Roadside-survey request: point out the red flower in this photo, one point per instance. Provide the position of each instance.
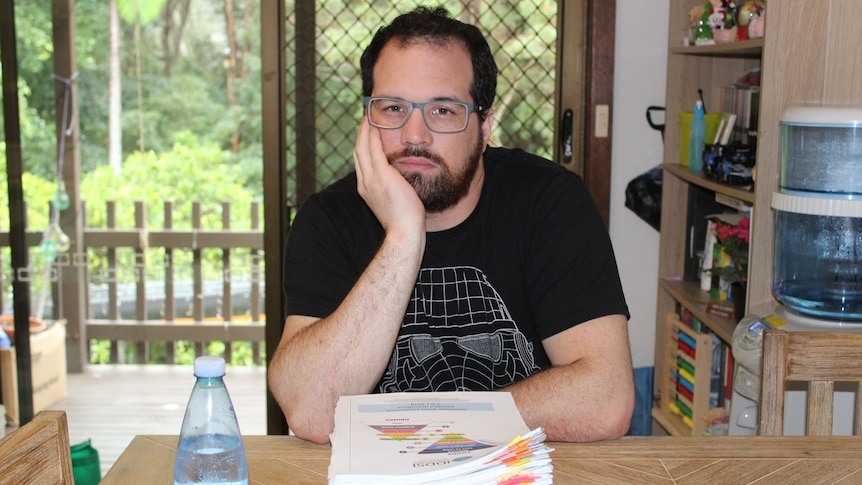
(740, 231)
(734, 240)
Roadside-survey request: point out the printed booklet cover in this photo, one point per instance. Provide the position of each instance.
(437, 437)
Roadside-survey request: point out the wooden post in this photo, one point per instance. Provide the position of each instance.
(72, 276)
(276, 205)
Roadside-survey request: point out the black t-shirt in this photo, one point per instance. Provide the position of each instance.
(533, 259)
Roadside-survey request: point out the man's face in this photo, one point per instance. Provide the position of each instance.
(441, 167)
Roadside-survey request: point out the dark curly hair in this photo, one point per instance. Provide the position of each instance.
(436, 26)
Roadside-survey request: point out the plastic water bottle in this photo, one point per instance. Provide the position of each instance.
(210, 449)
(698, 133)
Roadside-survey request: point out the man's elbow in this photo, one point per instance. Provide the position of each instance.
(610, 421)
(313, 435)
(305, 418)
(617, 420)
(618, 426)
(309, 426)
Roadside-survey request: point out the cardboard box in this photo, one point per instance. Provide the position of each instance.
(48, 370)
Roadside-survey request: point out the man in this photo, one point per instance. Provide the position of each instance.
(441, 265)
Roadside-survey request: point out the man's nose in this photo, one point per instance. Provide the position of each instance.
(415, 131)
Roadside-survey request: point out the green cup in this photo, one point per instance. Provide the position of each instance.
(85, 464)
(712, 122)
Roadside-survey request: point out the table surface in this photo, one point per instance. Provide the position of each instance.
(644, 460)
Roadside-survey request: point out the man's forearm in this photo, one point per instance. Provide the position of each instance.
(588, 400)
(571, 408)
(346, 352)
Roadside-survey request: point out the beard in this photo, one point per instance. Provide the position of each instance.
(447, 188)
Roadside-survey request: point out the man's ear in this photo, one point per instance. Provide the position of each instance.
(487, 124)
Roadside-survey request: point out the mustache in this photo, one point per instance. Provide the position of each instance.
(414, 151)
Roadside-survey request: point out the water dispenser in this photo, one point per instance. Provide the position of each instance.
(817, 265)
(817, 260)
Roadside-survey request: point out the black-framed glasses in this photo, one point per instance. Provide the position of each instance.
(439, 116)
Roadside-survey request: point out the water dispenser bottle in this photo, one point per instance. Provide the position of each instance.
(818, 214)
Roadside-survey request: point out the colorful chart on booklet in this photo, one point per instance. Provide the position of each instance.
(427, 438)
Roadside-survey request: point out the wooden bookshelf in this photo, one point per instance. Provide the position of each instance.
(808, 57)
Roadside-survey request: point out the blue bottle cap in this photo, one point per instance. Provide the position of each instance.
(209, 366)
(698, 110)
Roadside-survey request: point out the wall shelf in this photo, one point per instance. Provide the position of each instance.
(745, 48)
(691, 297)
(701, 180)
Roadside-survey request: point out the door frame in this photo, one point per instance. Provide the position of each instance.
(598, 99)
(585, 85)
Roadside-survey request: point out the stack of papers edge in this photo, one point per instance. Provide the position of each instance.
(469, 438)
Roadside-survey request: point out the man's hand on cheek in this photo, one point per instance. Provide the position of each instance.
(392, 199)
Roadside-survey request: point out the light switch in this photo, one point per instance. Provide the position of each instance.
(603, 115)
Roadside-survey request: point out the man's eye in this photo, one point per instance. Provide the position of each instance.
(443, 111)
(394, 108)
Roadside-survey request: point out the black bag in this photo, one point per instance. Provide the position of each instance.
(643, 196)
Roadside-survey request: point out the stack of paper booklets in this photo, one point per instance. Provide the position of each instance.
(469, 438)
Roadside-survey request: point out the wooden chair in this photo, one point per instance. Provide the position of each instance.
(38, 452)
(818, 358)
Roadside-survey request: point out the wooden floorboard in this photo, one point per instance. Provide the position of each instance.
(110, 404)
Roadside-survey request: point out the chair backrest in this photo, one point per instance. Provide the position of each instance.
(38, 452)
(819, 359)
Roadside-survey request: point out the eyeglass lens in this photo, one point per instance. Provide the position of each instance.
(443, 116)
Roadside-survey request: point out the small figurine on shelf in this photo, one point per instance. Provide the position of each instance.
(699, 32)
(721, 20)
(750, 17)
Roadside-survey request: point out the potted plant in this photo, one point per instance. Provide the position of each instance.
(733, 271)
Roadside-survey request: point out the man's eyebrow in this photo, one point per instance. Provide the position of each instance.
(447, 98)
(434, 99)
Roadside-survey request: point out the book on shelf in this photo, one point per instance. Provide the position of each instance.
(686, 317)
(721, 309)
(718, 382)
(743, 100)
(721, 389)
(436, 437)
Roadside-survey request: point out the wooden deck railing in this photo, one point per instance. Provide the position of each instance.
(135, 296)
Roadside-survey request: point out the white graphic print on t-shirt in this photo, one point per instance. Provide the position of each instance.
(457, 335)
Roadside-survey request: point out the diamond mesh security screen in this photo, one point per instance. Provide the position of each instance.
(325, 40)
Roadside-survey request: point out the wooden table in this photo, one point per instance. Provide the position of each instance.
(642, 460)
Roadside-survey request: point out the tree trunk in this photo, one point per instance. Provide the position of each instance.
(115, 145)
(175, 15)
(236, 61)
(140, 88)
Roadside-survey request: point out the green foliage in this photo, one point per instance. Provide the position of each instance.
(38, 148)
(193, 170)
(143, 11)
(242, 353)
(38, 192)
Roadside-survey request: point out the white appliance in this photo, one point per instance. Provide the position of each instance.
(746, 386)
